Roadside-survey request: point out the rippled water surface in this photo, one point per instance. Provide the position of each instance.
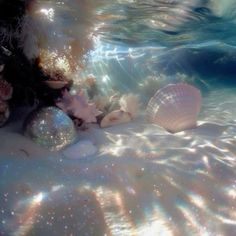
(138, 39)
(144, 180)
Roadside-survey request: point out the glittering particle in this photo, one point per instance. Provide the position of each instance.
(232, 193)
(81, 149)
(50, 127)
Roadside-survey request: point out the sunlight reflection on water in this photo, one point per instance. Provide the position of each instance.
(144, 180)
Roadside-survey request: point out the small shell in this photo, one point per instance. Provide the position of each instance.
(175, 107)
(56, 84)
(114, 118)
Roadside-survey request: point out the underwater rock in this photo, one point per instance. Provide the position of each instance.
(4, 112)
(50, 127)
(175, 107)
(79, 150)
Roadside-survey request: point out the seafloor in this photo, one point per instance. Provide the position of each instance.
(143, 180)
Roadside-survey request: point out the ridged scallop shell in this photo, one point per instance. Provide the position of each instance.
(175, 107)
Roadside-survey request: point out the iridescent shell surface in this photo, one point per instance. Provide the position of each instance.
(175, 107)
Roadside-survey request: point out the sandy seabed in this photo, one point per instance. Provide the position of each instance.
(143, 180)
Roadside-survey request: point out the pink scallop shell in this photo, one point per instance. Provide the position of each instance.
(175, 107)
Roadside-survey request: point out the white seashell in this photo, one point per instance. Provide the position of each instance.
(175, 107)
(114, 118)
(79, 150)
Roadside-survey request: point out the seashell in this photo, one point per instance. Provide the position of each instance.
(5, 90)
(175, 107)
(114, 118)
(56, 84)
(82, 149)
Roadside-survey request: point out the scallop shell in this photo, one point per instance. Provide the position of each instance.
(175, 107)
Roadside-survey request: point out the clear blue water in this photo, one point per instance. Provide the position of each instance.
(143, 181)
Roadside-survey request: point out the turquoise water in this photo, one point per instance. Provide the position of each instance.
(143, 180)
(136, 40)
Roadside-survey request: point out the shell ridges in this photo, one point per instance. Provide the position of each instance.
(175, 107)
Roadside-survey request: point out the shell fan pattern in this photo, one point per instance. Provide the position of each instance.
(175, 107)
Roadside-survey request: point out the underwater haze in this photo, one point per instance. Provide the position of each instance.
(143, 180)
